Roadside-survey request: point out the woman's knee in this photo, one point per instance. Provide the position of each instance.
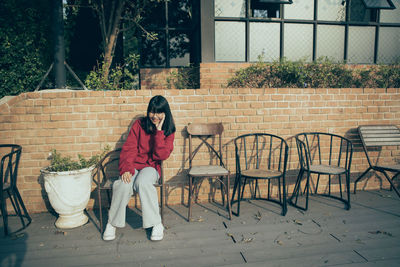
(120, 187)
(146, 177)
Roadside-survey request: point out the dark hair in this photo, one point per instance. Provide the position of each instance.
(158, 104)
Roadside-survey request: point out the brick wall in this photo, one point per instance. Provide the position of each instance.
(85, 121)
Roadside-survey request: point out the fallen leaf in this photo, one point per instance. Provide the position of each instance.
(297, 222)
(381, 232)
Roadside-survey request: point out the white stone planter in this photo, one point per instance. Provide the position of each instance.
(69, 194)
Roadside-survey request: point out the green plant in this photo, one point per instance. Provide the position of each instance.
(323, 73)
(61, 163)
(121, 77)
(25, 46)
(184, 78)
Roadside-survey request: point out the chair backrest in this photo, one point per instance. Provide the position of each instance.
(378, 136)
(107, 169)
(324, 148)
(206, 133)
(261, 151)
(9, 164)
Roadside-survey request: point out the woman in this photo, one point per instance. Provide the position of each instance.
(149, 142)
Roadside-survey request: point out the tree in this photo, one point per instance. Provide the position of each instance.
(113, 15)
(25, 44)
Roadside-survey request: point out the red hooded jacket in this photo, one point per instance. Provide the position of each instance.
(142, 150)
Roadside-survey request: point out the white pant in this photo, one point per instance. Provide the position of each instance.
(143, 183)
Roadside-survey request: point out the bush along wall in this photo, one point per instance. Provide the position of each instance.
(320, 74)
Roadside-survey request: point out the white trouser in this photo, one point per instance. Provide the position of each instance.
(143, 183)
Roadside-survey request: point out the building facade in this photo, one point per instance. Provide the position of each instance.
(243, 31)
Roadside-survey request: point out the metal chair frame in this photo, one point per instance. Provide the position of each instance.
(8, 184)
(253, 168)
(379, 136)
(203, 132)
(104, 179)
(332, 163)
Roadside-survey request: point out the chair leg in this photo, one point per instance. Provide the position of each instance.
(20, 203)
(190, 199)
(228, 197)
(348, 190)
(359, 178)
(100, 209)
(5, 215)
(297, 188)
(162, 200)
(307, 188)
(284, 202)
(237, 186)
(391, 183)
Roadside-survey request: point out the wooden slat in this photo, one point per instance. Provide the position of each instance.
(380, 135)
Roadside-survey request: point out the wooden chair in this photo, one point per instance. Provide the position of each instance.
(214, 167)
(323, 154)
(261, 156)
(107, 172)
(8, 185)
(374, 137)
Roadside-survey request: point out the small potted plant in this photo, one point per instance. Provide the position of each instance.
(68, 185)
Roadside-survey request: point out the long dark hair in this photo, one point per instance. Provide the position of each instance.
(158, 104)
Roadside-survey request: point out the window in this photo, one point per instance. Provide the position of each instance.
(353, 31)
(360, 13)
(175, 23)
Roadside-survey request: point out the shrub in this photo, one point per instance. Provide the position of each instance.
(121, 77)
(322, 73)
(184, 78)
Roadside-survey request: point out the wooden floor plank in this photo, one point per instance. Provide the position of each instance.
(325, 235)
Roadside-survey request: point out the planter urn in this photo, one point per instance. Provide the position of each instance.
(69, 193)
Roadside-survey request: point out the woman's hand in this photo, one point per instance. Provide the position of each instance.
(161, 122)
(126, 177)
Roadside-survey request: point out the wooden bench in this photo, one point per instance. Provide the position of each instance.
(379, 136)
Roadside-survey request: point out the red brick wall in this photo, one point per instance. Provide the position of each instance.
(85, 121)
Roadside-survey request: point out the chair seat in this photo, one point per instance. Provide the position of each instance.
(327, 169)
(208, 170)
(260, 173)
(395, 168)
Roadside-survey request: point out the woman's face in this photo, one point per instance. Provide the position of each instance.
(156, 117)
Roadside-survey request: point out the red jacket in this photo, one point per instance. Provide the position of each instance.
(142, 150)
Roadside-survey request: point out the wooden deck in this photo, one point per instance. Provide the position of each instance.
(366, 235)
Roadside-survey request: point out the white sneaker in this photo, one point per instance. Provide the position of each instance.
(157, 233)
(109, 233)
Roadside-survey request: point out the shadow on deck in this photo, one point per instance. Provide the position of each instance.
(326, 234)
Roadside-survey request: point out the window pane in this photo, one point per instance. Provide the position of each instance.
(179, 49)
(229, 41)
(300, 9)
(298, 41)
(377, 3)
(154, 15)
(361, 45)
(179, 13)
(332, 10)
(264, 10)
(389, 43)
(230, 8)
(358, 12)
(264, 41)
(153, 51)
(330, 42)
(392, 15)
